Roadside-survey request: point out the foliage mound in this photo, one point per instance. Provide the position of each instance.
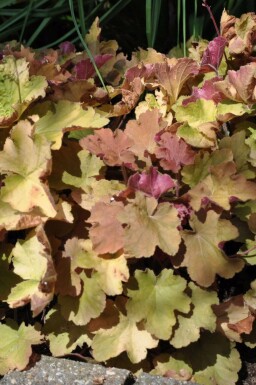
(128, 213)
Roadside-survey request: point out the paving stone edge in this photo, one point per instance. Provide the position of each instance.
(60, 371)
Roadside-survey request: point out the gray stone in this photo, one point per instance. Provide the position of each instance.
(54, 371)
(147, 379)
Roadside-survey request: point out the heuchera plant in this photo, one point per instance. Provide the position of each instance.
(128, 214)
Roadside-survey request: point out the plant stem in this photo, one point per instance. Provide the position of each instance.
(204, 4)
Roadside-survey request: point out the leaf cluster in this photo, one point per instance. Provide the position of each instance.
(127, 214)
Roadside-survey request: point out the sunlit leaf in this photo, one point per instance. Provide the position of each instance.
(16, 349)
(17, 89)
(202, 249)
(67, 116)
(24, 174)
(149, 225)
(156, 301)
(126, 336)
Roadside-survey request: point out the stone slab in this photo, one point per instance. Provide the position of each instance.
(147, 379)
(60, 371)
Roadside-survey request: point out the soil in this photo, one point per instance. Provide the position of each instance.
(247, 375)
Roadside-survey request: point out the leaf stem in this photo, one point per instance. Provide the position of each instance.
(204, 4)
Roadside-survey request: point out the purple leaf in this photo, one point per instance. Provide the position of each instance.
(173, 152)
(67, 47)
(213, 53)
(85, 70)
(152, 184)
(208, 91)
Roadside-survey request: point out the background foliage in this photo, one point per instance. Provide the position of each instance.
(161, 24)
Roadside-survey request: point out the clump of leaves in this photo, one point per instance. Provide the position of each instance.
(126, 211)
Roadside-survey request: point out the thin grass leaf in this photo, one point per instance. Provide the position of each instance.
(184, 26)
(29, 8)
(148, 22)
(38, 30)
(40, 12)
(68, 36)
(81, 16)
(157, 5)
(230, 4)
(195, 18)
(42, 25)
(6, 3)
(178, 21)
(18, 16)
(71, 5)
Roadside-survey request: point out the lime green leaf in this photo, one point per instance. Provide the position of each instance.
(201, 317)
(221, 186)
(15, 348)
(199, 125)
(33, 263)
(156, 301)
(93, 189)
(63, 336)
(202, 249)
(155, 101)
(92, 38)
(213, 358)
(193, 173)
(236, 143)
(90, 166)
(203, 137)
(23, 186)
(67, 116)
(90, 304)
(17, 90)
(7, 278)
(251, 142)
(109, 271)
(126, 336)
(172, 368)
(227, 110)
(11, 219)
(226, 367)
(150, 224)
(97, 190)
(196, 113)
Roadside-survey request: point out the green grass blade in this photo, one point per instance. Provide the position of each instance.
(178, 21)
(195, 18)
(85, 45)
(148, 22)
(157, 5)
(7, 3)
(68, 36)
(42, 25)
(81, 17)
(184, 27)
(38, 30)
(29, 8)
(16, 17)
